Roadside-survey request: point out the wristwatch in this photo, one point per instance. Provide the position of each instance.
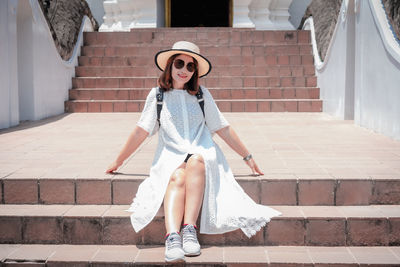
(248, 157)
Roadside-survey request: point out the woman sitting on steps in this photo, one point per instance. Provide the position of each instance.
(189, 171)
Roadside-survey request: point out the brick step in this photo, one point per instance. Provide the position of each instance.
(190, 29)
(105, 224)
(146, 67)
(222, 82)
(205, 36)
(233, 105)
(217, 93)
(116, 189)
(218, 256)
(250, 72)
(217, 61)
(146, 50)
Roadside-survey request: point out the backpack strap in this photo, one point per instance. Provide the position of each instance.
(160, 97)
(200, 99)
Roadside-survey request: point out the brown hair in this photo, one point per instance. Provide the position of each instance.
(165, 80)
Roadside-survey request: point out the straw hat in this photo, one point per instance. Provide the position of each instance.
(187, 48)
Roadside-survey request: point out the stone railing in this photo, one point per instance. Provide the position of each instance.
(393, 12)
(64, 18)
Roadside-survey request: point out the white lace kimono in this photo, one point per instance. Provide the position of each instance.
(226, 207)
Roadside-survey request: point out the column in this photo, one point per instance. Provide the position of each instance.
(260, 14)
(280, 14)
(146, 14)
(109, 6)
(264, 14)
(241, 12)
(123, 15)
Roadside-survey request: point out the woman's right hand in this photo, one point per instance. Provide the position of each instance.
(113, 167)
(135, 139)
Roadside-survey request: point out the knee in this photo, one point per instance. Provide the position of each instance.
(196, 161)
(178, 178)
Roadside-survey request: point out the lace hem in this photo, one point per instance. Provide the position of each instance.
(250, 231)
(249, 225)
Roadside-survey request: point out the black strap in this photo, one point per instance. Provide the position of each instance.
(200, 99)
(160, 97)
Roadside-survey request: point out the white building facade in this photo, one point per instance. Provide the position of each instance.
(123, 15)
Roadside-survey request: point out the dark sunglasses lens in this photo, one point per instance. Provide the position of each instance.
(190, 67)
(179, 64)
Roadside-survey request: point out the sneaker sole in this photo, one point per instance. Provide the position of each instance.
(193, 254)
(174, 260)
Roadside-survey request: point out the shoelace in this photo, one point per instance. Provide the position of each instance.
(189, 232)
(173, 241)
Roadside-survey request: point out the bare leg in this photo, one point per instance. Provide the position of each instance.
(195, 182)
(174, 200)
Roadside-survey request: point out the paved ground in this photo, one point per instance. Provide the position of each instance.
(107, 255)
(285, 145)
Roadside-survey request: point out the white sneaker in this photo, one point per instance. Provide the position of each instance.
(173, 248)
(191, 245)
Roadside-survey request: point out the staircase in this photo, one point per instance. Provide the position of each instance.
(253, 71)
(329, 221)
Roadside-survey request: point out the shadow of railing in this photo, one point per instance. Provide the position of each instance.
(24, 125)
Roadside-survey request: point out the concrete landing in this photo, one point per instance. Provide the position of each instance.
(285, 146)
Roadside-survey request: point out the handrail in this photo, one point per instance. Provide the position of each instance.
(86, 25)
(391, 42)
(309, 25)
(389, 38)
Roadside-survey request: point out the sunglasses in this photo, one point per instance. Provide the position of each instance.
(179, 64)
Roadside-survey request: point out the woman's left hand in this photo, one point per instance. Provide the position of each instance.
(254, 168)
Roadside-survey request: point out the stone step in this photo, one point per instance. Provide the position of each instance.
(232, 105)
(209, 50)
(199, 36)
(217, 93)
(191, 29)
(105, 224)
(243, 58)
(218, 256)
(117, 189)
(249, 72)
(227, 82)
(145, 67)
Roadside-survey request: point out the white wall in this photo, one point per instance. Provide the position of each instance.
(8, 64)
(297, 10)
(44, 79)
(333, 73)
(25, 29)
(97, 9)
(360, 77)
(34, 80)
(160, 13)
(377, 75)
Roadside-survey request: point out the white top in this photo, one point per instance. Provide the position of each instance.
(226, 207)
